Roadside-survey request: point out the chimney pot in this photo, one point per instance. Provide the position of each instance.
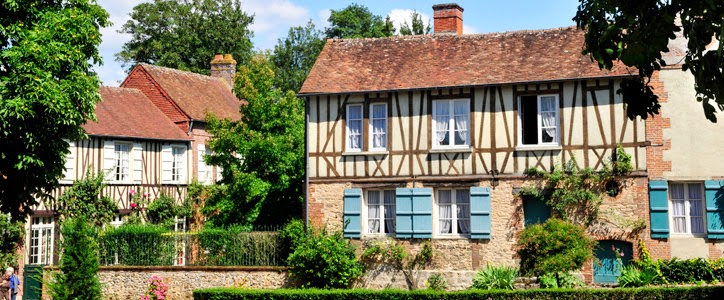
(224, 67)
(448, 18)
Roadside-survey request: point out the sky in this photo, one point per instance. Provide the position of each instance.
(273, 18)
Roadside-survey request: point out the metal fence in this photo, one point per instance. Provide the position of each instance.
(203, 248)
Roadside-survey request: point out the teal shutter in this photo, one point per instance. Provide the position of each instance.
(480, 212)
(352, 209)
(714, 208)
(414, 213)
(659, 208)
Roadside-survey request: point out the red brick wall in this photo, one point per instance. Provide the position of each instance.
(655, 163)
(139, 79)
(448, 20)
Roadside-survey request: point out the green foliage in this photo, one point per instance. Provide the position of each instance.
(395, 255)
(436, 282)
(47, 91)
(324, 260)
(223, 247)
(638, 32)
(576, 194)
(163, 210)
(295, 55)
(560, 280)
(291, 235)
(416, 28)
(631, 276)
(356, 21)
(186, 34)
(686, 271)
(266, 185)
(688, 293)
(555, 246)
(77, 277)
(11, 237)
(83, 200)
(137, 245)
(495, 278)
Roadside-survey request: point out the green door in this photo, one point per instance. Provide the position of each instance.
(535, 211)
(33, 282)
(609, 262)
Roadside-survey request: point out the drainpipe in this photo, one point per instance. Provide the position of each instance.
(306, 164)
(191, 127)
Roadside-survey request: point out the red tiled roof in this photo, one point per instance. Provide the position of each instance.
(431, 61)
(196, 94)
(126, 112)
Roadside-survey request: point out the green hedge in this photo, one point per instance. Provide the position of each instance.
(697, 292)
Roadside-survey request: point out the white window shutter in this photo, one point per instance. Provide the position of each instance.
(69, 173)
(203, 170)
(166, 163)
(219, 173)
(109, 160)
(137, 163)
(185, 170)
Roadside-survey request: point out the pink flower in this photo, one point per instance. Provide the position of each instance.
(134, 205)
(132, 192)
(145, 195)
(621, 254)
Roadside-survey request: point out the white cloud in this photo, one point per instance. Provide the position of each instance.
(111, 73)
(272, 20)
(323, 20)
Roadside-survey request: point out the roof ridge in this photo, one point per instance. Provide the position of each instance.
(469, 35)
(179, 71)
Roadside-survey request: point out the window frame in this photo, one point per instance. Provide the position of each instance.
(177, 173)
(44, 253)
(371, 126)
(365, 213)
(539, 122)
(347, 134)
(687, 210)
(451, 130)
(127, 177)
(454, 218)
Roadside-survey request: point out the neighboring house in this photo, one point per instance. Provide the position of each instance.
(186, 98)
(135, 146)
(427, 137)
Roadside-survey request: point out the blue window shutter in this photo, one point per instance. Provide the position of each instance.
(480, 212)
(659, 208)
(414, 213)
(352, 208)
(714, 208)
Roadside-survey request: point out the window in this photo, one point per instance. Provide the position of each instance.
(539, 120)
(354, 127)
(378, 126)
(117, 221)
(453, 207)
(121, 171)
(41, 240)
(381, 211)
(450, 123)
(177, 165)
(205, 171)
(687, 209)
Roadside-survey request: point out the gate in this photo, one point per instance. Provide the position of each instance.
(33, 282)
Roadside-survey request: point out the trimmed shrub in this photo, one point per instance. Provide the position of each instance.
(324, 260)
(683, 293)
(495, 277)
(137, 245)
(556, 246)
(290, 236)
(234, 248)
(77, 277)
(686, 271)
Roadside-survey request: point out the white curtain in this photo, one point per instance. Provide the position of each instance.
(696, 210)
(373, 212)
(461, 122)
(676, 194)
(445, 209)
(442, 119)
(463, 207)
(379, 126)
(354, 125)
(548, 116)
(389, 211)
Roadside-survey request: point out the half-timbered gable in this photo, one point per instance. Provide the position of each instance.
(430, 136)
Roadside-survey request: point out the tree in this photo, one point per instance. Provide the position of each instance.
(186, 34)
(417, 28)
(356, 21)
(637, 32)
(77, 277)
(262, 155)
(47, 91)
(295, 55)
(83, 200)
(11, 238)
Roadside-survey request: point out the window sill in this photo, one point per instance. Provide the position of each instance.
(451, 237)
(539, 148)
(365, 153)
(451, 150)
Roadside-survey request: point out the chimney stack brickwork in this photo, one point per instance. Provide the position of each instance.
(448, 18)
(224, 67)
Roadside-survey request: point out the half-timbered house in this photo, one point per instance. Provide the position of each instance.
(135, 146)
(428, 137)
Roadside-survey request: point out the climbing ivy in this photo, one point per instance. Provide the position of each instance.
(575, 193)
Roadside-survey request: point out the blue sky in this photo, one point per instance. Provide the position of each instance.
(273, 18)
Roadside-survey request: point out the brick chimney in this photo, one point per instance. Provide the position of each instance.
(224, 67)
(448, 18)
